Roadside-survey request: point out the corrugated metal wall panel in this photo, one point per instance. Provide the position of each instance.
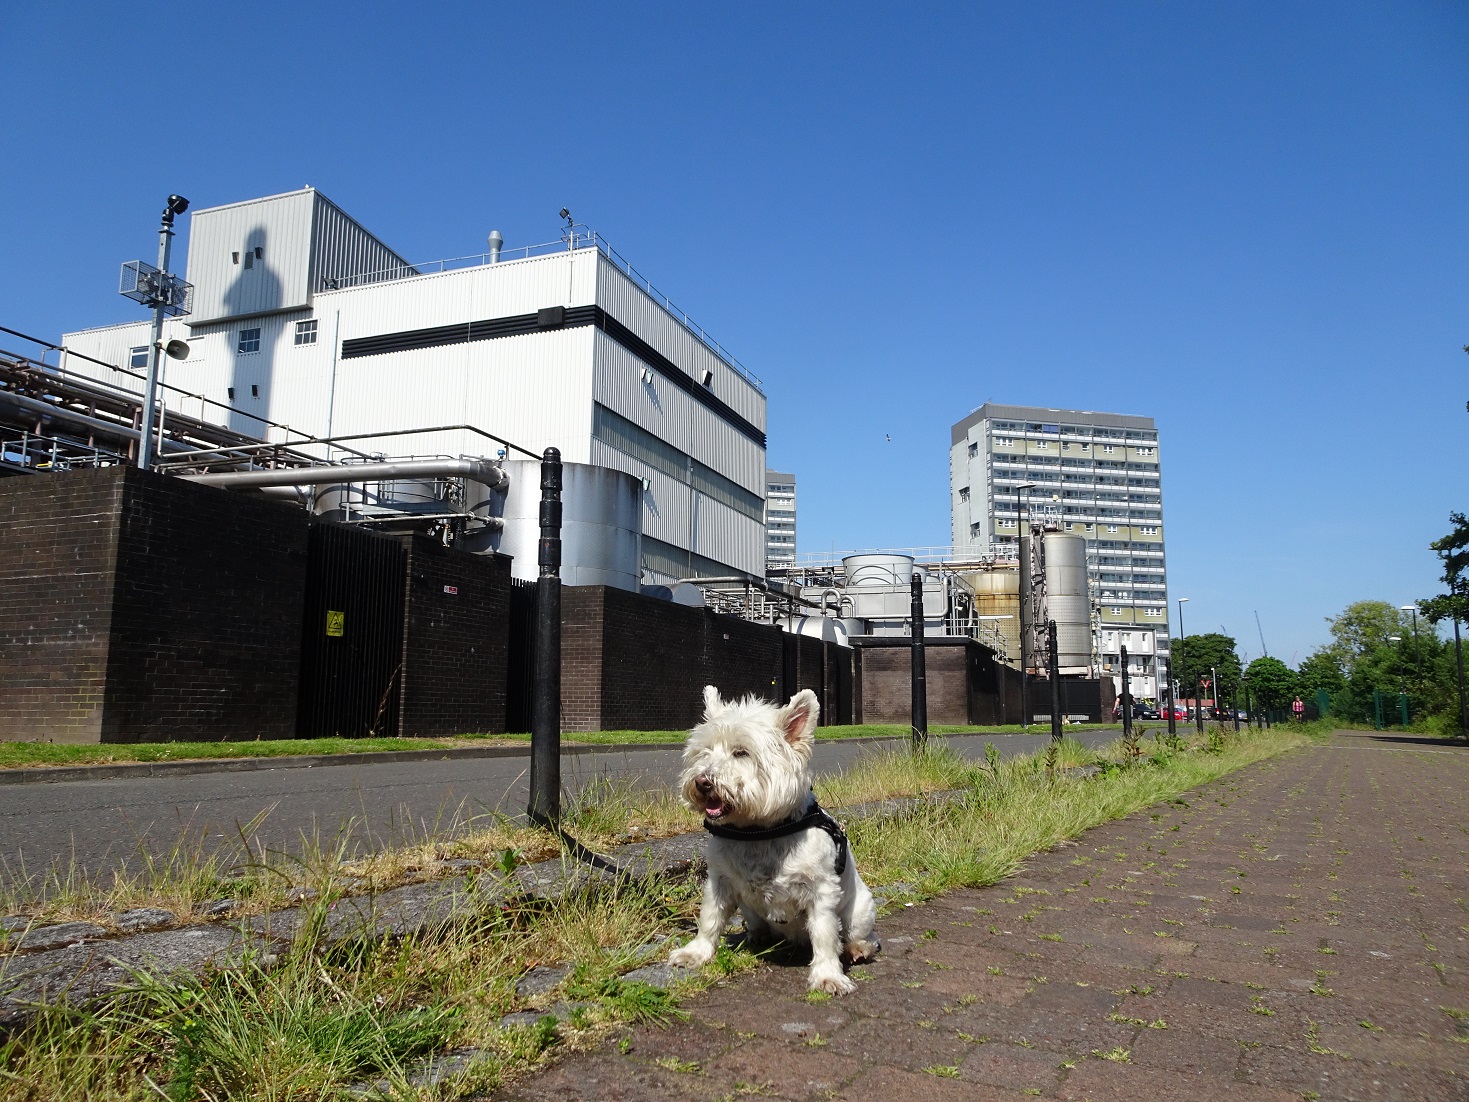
(667, 503)
(665, 410)
(727, 536)
(533, 389)
(226, 282)
(342, 248)
(629, 304)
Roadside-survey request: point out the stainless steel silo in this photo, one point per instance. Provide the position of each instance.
(1068, 601)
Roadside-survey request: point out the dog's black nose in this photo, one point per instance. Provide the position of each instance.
(704, 782)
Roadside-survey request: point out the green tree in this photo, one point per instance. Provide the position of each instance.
(1321, 670)
(1364, 628)
(1272, 683)
(1453, 605)
(1453, 550)
(1194, 656)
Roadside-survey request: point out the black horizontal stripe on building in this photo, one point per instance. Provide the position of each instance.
(554, 317)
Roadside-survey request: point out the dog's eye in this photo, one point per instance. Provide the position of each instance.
(740, 754)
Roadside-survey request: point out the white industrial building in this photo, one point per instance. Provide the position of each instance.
(307, 327)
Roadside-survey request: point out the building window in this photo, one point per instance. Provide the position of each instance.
(306, 332)
(249, 341)
(1109, 448)
(963, 493)
(973, 450)
(138, 357)
(1111, 527)
(1154, 612)
(1115, 611)
(1147, 530)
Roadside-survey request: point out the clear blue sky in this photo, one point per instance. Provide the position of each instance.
(1245, 220)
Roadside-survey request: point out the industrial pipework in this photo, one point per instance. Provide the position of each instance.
(483, 471)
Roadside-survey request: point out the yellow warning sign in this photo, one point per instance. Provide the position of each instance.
(336, 623)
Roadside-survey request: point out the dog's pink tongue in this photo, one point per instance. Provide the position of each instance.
(714, 811)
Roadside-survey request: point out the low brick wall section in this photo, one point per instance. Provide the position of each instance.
(58, 557)
(631, 662)
(136, 607)
(456, 639)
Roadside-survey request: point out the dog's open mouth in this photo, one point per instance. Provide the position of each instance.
(713, 807)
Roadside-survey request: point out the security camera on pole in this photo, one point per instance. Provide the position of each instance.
(166, 294)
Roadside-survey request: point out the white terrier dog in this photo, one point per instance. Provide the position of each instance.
(775, 854)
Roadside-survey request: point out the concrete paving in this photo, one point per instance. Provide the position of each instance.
(1294, 931)
(106, 823)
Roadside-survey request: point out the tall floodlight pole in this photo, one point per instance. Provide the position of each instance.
(167, 295)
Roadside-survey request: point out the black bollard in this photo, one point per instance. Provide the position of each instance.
(545, 725)
(920, 668)
(1126, 706)
(1054, 662)
(1172, 702)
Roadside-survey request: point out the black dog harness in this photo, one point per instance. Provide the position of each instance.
(816, 817)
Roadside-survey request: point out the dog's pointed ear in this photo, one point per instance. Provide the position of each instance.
(712, 704)
(798, 720)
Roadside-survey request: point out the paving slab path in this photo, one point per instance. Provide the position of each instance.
(1296, 930)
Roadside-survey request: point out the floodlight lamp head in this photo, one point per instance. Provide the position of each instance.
(177, 204)
(566, 214)
(176, 350)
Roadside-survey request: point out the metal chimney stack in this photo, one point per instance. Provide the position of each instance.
(496, 241)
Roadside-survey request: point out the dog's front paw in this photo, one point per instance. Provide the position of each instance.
(833, 983)
(691, 955)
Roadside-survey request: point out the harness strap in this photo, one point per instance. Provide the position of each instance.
(817, 817)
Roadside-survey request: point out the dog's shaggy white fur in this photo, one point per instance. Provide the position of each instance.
(748, 766)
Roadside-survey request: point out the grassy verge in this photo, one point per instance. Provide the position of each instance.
(22, 755)
(327, 1015)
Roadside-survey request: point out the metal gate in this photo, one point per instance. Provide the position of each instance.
(352, 635)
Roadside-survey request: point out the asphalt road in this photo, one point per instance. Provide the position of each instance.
(95, 825)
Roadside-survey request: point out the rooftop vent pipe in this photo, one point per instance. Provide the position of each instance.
(496, 241)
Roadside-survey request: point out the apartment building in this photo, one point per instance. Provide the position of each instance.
(780, 520)
(1097, 475)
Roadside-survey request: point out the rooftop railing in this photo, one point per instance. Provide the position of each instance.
(578, 237)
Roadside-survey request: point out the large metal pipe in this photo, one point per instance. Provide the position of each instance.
(479, 470)
(60, 413)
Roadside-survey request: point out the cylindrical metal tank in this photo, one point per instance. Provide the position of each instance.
(601, 524)
(997, 594)
(1067, 600)
(863, 570)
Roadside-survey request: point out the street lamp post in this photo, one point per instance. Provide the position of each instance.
(1417, 649)
(1022, 502)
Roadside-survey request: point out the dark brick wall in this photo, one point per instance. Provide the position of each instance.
(58, 549)
(824, 668)
(887, 685)
(455, 644)
(631, 662)
(206, 614)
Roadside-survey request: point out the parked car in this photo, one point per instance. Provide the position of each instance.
(1142, 711)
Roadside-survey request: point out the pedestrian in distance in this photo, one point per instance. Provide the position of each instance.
(1299, 709)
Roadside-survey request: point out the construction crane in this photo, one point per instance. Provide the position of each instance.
(1261, 630)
